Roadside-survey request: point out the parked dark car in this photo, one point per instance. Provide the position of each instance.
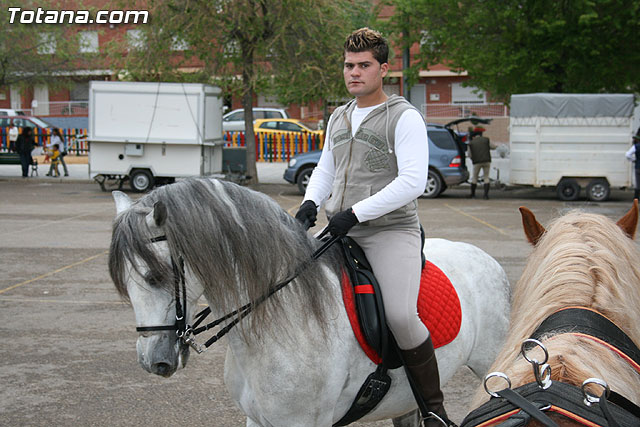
(446, 162)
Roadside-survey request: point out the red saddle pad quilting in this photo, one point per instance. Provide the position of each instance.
(438, 307)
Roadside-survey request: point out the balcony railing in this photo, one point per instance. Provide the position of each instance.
(454, 111)
(62, 108)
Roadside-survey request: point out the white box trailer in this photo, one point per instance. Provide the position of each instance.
(571, 141)
(152, 133)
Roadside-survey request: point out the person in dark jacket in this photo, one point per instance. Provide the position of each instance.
(24, 144)
(480, 150)
(632, 155)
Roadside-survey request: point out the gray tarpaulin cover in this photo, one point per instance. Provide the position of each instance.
(572, 105)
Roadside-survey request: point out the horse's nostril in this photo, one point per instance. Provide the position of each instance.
(162, 369)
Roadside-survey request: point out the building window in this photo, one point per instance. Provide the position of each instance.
(467, 95)
(391, 89)
(79, 92)
(264, 101)
(46, 44)
(136, 39)
(88, 42)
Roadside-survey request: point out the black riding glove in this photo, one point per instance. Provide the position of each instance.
(307, 214)
(341, 223)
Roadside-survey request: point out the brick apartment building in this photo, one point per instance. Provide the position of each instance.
(439, 93)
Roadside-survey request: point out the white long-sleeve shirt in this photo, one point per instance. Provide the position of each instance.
(412, 153)
(631, 153)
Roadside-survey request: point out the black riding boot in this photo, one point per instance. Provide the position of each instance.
(473, 191)
(486, 191)
(422, 367)
(636, 193)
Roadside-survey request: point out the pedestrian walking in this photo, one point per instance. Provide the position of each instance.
(24, 144)
(13, 137)
(632, 155)
(480, 152)
(58, 138)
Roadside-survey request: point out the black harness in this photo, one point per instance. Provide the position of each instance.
(516, 407)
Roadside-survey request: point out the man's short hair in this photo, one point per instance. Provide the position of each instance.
(366, 39)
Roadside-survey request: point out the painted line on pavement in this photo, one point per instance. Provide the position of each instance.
(493, 227)
(49, 223)
(59, 301)
(53, 272)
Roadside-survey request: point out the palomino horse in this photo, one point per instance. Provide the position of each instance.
(294, 361)
(584, 269)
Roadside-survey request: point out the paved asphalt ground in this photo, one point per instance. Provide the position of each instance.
(68, 343)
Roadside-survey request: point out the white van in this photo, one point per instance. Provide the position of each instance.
(233, 121)
(11, 112)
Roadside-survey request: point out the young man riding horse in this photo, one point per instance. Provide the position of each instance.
(373, 168)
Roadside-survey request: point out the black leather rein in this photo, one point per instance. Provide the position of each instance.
(186, 332)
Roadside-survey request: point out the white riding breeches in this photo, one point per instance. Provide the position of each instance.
(394, 253)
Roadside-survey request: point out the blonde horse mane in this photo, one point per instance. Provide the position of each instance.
(583, 260)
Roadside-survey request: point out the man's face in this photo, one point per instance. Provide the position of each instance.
(363, 73)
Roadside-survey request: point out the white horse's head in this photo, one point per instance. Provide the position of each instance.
(152, 290)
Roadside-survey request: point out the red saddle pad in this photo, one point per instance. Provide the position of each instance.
(438, 307)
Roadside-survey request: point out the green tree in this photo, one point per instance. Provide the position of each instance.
(37, 53)
(521, 46)
(282, 48)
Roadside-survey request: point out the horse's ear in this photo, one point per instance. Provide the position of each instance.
(123, 202)
(629, 222)
(159, 213)
(532, 228)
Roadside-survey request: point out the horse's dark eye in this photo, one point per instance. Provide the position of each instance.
(153, 279)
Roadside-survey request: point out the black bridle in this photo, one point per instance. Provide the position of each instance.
(186, 333)
(181, 308)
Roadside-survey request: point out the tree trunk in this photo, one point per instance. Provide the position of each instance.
(325, 115)
(248, 76)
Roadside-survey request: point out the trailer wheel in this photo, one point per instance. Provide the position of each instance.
(598, 190)
(141, 180)
(568, 189)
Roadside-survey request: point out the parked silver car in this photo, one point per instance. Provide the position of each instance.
(233, 121)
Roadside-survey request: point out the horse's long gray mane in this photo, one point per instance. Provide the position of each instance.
(237, 242)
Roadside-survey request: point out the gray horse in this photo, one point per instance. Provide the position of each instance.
(294, 361)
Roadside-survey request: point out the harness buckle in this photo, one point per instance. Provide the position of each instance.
(541, 370)
(590, 399)
(492, 375)
(543, 375)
